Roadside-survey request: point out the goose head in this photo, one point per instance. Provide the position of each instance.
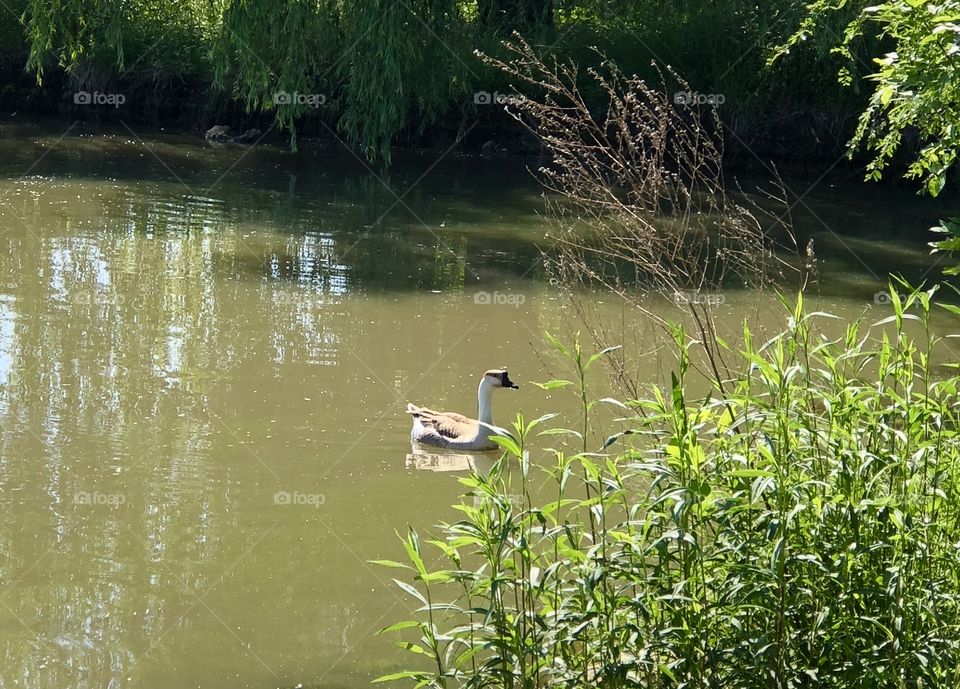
(498, 378)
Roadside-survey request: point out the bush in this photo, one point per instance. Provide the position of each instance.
(800, 531)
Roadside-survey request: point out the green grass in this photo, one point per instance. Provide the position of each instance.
(802, 530)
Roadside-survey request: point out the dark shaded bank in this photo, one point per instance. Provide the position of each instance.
(797, 140)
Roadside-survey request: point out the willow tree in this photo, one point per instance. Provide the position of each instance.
(94, 39)
(264, 48)
(402, 62)
(376, 66)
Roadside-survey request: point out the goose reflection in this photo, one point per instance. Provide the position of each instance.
(442, 462)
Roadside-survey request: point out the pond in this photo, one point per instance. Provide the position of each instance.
(205, 355)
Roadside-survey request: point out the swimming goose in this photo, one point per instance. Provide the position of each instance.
(448, 429)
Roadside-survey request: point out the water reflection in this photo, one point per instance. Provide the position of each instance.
(442, 462)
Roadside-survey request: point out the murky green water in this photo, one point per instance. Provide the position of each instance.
(204, 358)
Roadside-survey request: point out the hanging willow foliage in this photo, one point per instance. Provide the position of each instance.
(376, 68)
(265, 51)
(379, 70)
(72, 30)
(403, 62)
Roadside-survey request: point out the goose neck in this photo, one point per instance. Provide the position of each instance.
(485, 402)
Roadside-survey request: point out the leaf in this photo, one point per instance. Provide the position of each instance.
(891, 319)
(442, 576)
(411, 590)
(413, 648)
(562, 431)
(407, 624)
(412, 545)
(554, 384)
(406, 674)
(614, 438)
(885, 94)
(952, 308)
(390, 563)
(557, 345)
(600, 354)
(541, 419)
(507, 443)
(751, 473)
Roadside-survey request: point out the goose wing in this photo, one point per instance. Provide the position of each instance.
(447, 423)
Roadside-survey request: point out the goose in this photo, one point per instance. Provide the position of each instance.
(449, 429)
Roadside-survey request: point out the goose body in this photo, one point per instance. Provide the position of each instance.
(456, 431)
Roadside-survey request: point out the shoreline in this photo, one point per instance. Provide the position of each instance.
(737, 163)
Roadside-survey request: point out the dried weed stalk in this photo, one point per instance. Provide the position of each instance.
(638, 201)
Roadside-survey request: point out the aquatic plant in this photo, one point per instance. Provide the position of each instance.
(801, 529)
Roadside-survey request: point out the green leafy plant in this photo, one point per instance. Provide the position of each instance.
(950, 245)
(916, 83)
(800, 530)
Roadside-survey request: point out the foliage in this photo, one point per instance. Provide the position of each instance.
(405, 63)
(270, 51)
(388, 70)
(154, 34)
(800, 530)
(917, 82)
(950, 245)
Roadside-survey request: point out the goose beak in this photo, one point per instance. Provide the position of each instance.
(505, 382)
